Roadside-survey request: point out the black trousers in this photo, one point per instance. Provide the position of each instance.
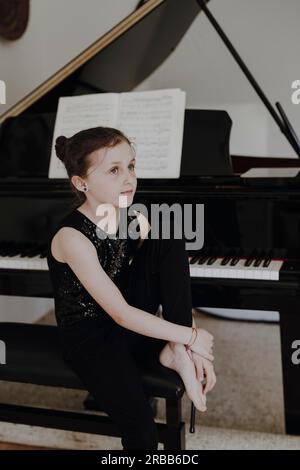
(109, 358)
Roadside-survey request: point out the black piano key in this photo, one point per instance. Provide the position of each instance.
(203, 259)
(267, 262)
(13, 249)
(258, 262)
(195, 258)
(22, 249)
(250, 258)
(236, 258)
(26, 253)
(33, 252)
(43, 253)
(268, 259)
(259, 259)
(211, 260)
(228, 258)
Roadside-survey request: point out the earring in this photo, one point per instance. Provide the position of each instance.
(85, 188)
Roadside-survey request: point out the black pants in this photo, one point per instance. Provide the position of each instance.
(108, 358)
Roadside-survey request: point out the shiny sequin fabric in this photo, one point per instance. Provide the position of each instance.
(72, 300)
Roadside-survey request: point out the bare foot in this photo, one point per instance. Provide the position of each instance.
(174, 356)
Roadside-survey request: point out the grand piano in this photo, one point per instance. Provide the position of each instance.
(251, 253)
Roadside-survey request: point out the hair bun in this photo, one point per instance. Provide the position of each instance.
(60, 147)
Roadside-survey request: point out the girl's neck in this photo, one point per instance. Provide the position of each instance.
(90, 212)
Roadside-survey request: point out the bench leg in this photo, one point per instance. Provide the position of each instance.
(175, 428)
(172, 433)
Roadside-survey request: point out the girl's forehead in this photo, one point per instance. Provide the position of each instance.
(119, 151)
(107, 155)
(98, 156)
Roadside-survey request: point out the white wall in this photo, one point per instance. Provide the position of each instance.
(58, 30)
(266, 33)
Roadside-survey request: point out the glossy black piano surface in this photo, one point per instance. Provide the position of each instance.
(240, 223)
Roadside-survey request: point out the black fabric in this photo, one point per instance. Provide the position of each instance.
(120, 367)
(73, 302)
(111, 360)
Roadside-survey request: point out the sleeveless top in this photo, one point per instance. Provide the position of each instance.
(72, 301)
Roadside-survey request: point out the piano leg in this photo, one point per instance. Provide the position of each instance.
(289, 332)
(288, 305)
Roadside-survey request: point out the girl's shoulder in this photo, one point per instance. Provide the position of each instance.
(62, 239)
(69, 224)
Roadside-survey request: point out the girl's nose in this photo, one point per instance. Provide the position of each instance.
(128, 178)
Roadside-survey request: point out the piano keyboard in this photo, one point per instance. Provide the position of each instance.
(213, 268)
(17, 255)
(256, 268)
(19, 262)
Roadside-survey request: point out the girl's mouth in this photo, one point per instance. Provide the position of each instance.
(127, 192)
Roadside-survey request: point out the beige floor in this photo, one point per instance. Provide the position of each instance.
(245, 410)
(10, 446)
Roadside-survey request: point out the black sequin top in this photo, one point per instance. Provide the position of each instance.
(72, 301)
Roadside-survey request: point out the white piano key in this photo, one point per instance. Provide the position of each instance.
(216, 270)
(18, 262)
(239, 271)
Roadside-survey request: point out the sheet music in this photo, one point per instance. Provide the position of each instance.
(75, 113)
(154, 121)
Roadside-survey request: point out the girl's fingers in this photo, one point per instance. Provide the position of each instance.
(208, 356)
(208, 384)
(189, 353)
(203, 352)
(199, 370)
(210, 378)
(198, 362)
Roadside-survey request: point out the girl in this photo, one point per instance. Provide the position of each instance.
(107, 290)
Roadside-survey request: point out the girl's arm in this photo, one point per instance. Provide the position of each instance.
(81, 255)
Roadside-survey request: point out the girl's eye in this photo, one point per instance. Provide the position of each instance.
(132, 165)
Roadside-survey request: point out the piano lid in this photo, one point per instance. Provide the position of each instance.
(119, 60)
(116, 62)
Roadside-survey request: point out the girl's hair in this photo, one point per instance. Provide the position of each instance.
(75, 151)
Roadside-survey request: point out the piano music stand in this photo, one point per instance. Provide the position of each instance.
(205, 146)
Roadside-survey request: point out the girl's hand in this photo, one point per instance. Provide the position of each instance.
(205, 371)
(203, 344)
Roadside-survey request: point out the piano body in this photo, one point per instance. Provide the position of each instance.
(251, 253)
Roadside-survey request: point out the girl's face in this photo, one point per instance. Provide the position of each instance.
(111, 173)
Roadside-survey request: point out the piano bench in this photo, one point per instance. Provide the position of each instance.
(33, 355)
